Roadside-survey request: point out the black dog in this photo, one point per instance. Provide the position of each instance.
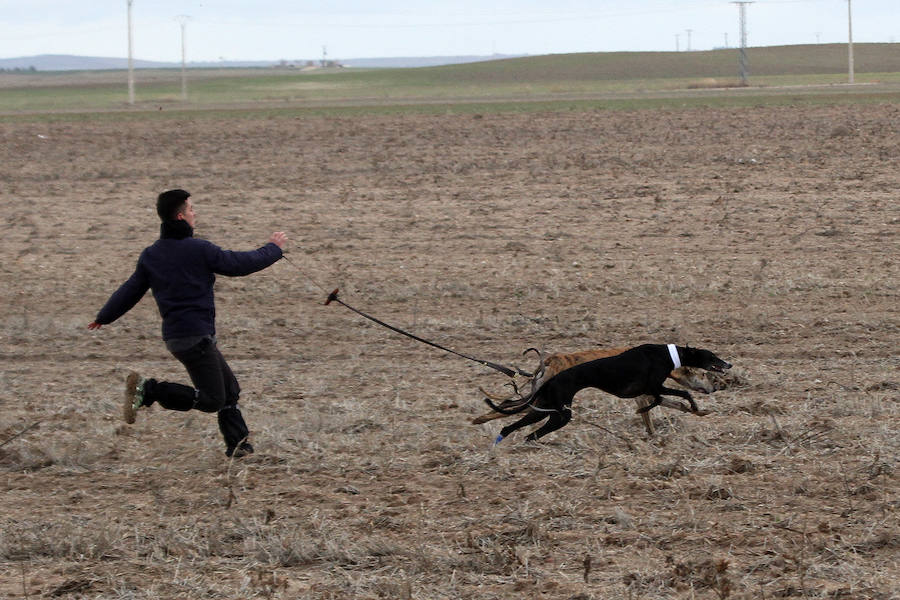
(635, 372)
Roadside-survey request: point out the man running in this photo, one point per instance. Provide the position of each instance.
(180, 270)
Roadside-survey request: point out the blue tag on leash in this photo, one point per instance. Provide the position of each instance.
(499, 439)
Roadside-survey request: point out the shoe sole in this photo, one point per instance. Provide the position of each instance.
(128, 409)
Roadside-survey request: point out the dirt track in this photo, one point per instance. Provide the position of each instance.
(769, 235)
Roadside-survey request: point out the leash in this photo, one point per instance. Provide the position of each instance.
(333, 297)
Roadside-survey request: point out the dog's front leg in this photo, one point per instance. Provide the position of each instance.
(681, 394)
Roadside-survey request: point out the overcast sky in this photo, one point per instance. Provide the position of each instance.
(298, 29)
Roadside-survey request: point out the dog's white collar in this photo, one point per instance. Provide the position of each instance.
(673, 353)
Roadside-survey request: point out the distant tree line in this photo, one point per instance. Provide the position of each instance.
(30, 69)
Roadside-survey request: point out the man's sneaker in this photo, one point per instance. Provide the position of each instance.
(134, 396)
(243, 449)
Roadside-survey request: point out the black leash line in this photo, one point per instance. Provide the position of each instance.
(333, 297)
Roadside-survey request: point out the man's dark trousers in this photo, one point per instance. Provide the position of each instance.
(215, 390)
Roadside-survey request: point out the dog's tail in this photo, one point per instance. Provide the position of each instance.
(487, 417)
(508, 410)
(509, 406)
(506, 404)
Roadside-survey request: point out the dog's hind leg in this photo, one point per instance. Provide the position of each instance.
(657, 400)
(533, 416)
(557, 420)
(641, 402)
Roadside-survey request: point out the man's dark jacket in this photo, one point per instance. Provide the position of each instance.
(181, 271)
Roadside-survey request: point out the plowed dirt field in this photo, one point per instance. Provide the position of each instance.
(768, 235)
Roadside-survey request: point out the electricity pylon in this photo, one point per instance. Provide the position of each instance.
(742, 10)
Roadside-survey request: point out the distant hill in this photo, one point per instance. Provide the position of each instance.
(769, 60)
(809, 59)
(421, 61)
(618, 77)
(65, 62)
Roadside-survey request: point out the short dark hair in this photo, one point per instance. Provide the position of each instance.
(169, 203)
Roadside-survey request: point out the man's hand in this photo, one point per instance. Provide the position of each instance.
(279, 239)
(94, 325)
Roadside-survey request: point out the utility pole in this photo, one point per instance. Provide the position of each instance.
(726, 39)
(677, 42)
(742, 11)
(183, 19)
(689, 39)
(130, 58)
(850, 38)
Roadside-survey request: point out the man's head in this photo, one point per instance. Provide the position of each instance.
(174, 204)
